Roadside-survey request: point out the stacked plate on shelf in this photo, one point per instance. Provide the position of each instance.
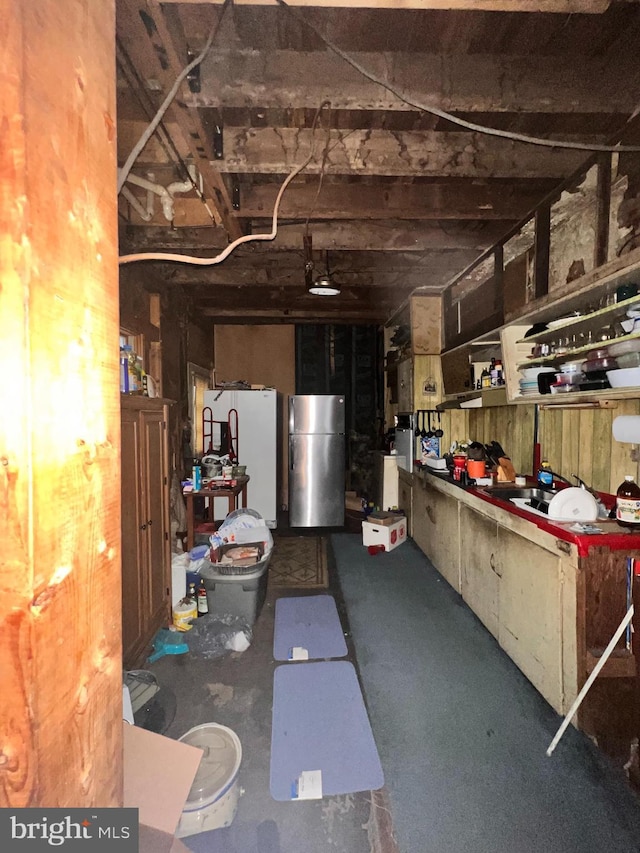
(529, 381)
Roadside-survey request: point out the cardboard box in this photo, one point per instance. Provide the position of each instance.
(158, 775)
(387, 535)
(352, 501)
(385, 518)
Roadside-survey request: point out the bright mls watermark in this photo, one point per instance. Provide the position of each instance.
(69, 830)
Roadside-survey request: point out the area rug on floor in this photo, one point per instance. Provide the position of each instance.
(308, 622)
(320, 723)
(299, 561)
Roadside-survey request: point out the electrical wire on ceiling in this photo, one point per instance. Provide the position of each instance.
(246, 238)
(128, 69)
(137, 148)
(436, 111)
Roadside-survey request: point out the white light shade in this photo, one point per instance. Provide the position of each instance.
(323, 286)
(626, 428)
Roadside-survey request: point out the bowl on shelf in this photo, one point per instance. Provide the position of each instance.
(530, 374)
(624, 377)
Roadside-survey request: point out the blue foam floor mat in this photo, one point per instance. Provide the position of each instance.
(320, 723)
(310, 622)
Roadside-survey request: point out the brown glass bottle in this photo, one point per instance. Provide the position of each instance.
(628, 504)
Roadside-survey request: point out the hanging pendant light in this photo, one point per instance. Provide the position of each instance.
(324, 284)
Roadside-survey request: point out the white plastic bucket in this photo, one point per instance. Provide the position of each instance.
(213, 799)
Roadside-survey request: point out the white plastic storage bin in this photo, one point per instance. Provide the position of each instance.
(387, 535)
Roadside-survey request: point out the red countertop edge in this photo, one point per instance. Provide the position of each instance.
(613, 541)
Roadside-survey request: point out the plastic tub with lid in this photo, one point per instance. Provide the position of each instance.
(623, 347)
(598, 364)
(629, 359)
(628, 377)
(213, 799)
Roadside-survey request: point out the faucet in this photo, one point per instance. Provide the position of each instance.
(603, 512)
(562, 479)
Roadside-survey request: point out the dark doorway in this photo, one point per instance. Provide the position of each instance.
(347, 360)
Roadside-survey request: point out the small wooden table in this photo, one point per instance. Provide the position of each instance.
(229, 492)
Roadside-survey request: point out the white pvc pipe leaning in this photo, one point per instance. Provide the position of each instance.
(594, 674)
(143, 213)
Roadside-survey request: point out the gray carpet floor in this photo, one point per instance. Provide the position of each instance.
(462, 735)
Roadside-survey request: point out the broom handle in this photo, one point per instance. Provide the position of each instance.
(594, 674)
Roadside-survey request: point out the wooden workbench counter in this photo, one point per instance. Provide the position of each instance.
(551, 597)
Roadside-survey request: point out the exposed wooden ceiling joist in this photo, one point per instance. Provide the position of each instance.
(474, 83)
(562, 6)
(401, 198)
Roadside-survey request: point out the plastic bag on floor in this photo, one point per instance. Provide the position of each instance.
(214, 636)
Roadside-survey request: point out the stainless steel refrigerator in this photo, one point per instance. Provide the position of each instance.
(316, 460)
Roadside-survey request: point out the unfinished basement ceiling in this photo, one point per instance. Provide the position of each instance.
(394, 198)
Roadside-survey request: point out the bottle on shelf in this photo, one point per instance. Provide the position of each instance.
(203, 603)
(628, 503)
(545, 475)
(485, 378)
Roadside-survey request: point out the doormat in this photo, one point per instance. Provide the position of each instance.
(299, 561)
(310, 622)
(320, 727)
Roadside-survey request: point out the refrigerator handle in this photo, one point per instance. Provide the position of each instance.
(290, 454)
(291, 416)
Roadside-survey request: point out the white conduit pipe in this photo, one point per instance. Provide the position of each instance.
(246, 238)
(143, 213)
(184, 186)
(594, 674)
(158, 189)
(123, 173)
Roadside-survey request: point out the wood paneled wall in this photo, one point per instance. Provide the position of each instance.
(261, 355)
(60, 611)
(575, 441)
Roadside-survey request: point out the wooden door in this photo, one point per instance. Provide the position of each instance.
(133, 544)
(531, 612)
(405, 491)
(154, 480)
(436, 530)
(479, 569)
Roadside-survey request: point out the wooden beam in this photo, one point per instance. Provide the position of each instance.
(60, 584)
(603, 210)
(475, 83)
(542, 251)
(442, 200)
(390, 236)
(277, 151)
(565, 7)
(143, 33)
(322, 314)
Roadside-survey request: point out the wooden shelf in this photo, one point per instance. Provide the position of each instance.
(567, 356)
(588, 322)
(621, 663)
(488, 397)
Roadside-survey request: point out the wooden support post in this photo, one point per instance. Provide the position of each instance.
(603, 208)
(60, 622)
(498, 277)
(542, 243)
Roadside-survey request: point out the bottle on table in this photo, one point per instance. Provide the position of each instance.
(545, 475)
(628, 503)
(203, 604)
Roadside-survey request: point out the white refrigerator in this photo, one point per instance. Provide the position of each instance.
(256, 445)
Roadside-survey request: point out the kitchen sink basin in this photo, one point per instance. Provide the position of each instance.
(528, 493)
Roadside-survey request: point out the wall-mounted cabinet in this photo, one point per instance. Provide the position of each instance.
(583, 317)
(146, 549)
